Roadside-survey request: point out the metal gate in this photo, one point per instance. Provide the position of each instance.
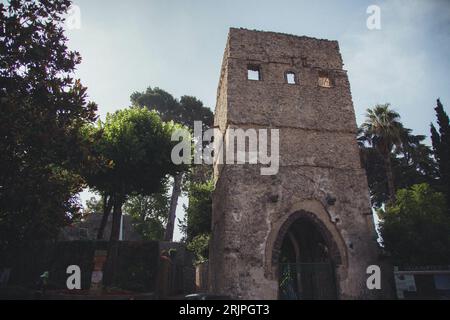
(307, 281)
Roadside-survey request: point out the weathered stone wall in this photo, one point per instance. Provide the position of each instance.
(319, 160)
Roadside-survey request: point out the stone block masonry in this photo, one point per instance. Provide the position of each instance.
(320, 187)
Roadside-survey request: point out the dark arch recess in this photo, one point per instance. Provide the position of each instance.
(305, 215)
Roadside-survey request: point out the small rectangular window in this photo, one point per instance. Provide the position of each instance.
(290, 78)
(253, 72)
(325, 80)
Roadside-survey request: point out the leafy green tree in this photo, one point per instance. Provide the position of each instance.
(200, 247)
(146, 213)
(417, 158)
(199, 212)
(93, 206)
(185, 111)
(412, 163)
(149, 214)
(107, 205)
(135, 147)
(416, 228)
(133, 151)
(42, 111)
(441, 146)
(383, 131)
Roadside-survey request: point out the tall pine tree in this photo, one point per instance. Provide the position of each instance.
(441, 146)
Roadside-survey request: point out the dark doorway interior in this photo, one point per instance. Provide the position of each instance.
(306, 271)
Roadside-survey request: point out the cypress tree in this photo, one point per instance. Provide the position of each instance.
(441, 146)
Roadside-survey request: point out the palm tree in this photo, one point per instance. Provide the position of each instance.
(383, 131)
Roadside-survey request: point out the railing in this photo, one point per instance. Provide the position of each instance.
(307, 281)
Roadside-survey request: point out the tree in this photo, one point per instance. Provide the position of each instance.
(197, 222)
(42, 111)
(416, 228)
(136, 147)
(107, 205)
(149, 214)
(199, 245)
(199, 211)
(416, 157)
(412, 163)
(383, 131)
(133, 148)
(441, 146)
(93, 206)
(376, 175)
(185, 112)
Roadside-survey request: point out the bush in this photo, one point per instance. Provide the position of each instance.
(200, 247)
(416, 228)
(137, 263)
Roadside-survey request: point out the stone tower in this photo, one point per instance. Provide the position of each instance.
(272, 235)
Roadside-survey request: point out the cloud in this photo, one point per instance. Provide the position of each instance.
(395, 64)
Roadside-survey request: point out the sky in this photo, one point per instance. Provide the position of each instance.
(178, 46)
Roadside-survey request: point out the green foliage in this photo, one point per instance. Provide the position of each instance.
(185, 111)
(409, 167)
(383, 131)
(441, 146)
(382, 128)
(42, 111)
(199, 212)
(197, 222)
(200, 247)
(149, 214)
(391, 151)
(137, 268)
(132, 156)
(137, 263)
(93, 206)
(416, 228)
(134, 147)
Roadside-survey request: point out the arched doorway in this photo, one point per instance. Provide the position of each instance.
(306, 260)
